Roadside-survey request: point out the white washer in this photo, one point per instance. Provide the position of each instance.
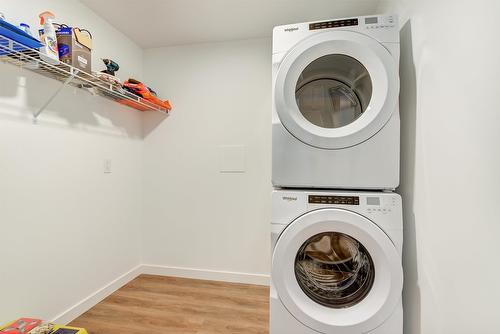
(336, 263)
(335, 104)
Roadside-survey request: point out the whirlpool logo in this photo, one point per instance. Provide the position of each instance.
(289, 198)
(292, 29)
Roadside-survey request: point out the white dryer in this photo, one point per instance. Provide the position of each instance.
(336, 263)
(335, 104)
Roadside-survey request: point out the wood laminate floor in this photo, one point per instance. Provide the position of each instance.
(170, 305)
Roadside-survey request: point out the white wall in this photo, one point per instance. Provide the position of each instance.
(67, 229)
(56, 204)
(450, 73)
(195, 216)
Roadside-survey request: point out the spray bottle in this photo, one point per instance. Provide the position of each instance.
(49, 39)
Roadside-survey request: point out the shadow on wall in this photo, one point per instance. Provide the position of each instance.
(151, 121)
(408, 107)
(22, 93)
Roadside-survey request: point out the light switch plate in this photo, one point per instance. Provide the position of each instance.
(231, 158)
(107, 166)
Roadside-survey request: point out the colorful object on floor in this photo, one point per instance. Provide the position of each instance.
(35, 326)
(20, 326)
(138, 88)
(68, 330)
(43, 329)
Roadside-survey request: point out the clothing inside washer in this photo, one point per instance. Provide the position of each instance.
(334, 270)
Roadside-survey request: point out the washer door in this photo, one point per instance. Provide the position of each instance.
(336, 89)
(335, 270)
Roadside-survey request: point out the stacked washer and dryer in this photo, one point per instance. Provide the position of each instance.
(337, 230)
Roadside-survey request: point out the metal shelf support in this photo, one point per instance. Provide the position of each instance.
(53, 96)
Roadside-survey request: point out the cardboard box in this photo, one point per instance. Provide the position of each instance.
(75, 47)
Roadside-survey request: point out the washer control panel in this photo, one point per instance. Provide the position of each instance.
(333, 24)
(370, 204)
(382, 205)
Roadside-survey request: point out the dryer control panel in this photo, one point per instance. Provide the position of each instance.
(380, 22)
(324, 199)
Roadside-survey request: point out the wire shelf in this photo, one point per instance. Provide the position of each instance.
(19, 55)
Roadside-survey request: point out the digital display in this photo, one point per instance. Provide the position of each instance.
(371, 20)
(373, 200)
(325, 199)
(333, 24)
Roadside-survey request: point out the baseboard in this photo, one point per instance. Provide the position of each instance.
(213, 275)
(83, 306)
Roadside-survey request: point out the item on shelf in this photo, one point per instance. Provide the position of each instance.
(152, 91)
(134, 104)
(26, 28)
(108, 78)
(23, 40)
(111, 67)
(75, 47)
(138, 88)
(20, 326)
(17, 54)
(49, 51)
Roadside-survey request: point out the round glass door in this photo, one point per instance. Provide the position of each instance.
(336, 89)
(333, 91)
(334, 270)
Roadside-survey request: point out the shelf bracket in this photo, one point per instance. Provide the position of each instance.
(53, 96)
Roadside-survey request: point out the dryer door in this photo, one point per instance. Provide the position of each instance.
(335, 270)
(336, 89)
